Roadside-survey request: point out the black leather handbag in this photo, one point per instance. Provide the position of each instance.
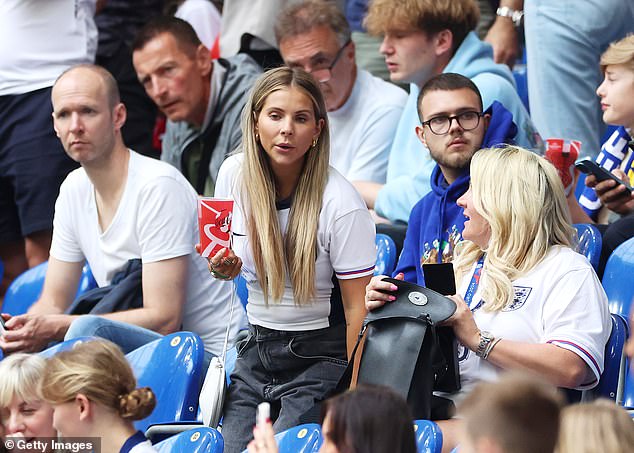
(402, 349)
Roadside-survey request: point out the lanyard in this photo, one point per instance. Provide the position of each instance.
(473, 284)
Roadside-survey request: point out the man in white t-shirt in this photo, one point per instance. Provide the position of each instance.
(120, 206)
(363, 110)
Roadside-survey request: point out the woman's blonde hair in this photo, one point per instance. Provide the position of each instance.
(20, 376)
(597, 426)
(99, 370)
(619, 53)
(274, 256)
(522, 198)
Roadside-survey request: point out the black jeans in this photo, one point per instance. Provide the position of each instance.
(294, 371)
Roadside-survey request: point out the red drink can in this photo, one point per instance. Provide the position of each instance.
(214, 224)
(562, 154)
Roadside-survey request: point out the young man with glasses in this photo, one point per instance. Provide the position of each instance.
(363, 110)
(423, 38)
(453, 127)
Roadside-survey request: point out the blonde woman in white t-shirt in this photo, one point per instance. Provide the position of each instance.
(526, 300)
(298, 226)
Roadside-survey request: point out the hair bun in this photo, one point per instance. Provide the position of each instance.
(137, 404)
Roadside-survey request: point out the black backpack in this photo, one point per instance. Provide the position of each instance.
(405, 349)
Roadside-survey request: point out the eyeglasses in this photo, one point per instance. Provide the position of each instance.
(323, 75)
(440, 125)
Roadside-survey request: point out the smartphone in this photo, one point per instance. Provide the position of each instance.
(263, 414)
(440, 278)
(588, 166)
(3, 328)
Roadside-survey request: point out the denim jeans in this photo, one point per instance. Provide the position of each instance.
(564, 40)
(127, 336)
(294, 371)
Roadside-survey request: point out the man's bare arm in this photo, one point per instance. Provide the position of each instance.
(45, 321)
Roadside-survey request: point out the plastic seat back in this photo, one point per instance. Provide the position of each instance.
(198, 440)
(614, 363)
(385, 255)
(24, 290)
(172, 367)
(590, 241)
(241, 290)
(300, 439)
(27, 287)
(428, 436)
(86, 282)
(64, 345)
(617, 279)
(628, 387)
(304, 438)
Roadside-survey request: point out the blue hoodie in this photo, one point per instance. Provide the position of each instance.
(436, 223)
(410, 165)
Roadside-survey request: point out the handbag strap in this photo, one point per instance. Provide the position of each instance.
(232, 301)
(346, 377)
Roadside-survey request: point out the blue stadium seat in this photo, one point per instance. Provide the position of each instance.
(63, 346)
(385, 255)
(299, 439)
(27, 287)
(241, 289)
(628, 387)
(197, 440)
(230, 362)
(172, 367)
(590, 242)
(428, 436)
(24, 290)
(614, 363)
(617, 279)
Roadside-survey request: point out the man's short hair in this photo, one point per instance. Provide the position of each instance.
(182, 31)
(109, 82)
(447, 81)
(429, 16)
(300, 18)
(520, 414)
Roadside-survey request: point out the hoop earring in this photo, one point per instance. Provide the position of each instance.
(257, 137)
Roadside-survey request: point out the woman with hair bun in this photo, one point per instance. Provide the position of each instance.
(93, 393)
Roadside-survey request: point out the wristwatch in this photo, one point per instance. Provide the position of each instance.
(485, 339)
(515, 15)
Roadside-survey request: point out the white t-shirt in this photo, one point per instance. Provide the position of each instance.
(40, 39)
(156, 220)
(137, 443)
(203, 17)
(345, 243)
(362, 130)
(144, 447)
(560, 302)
